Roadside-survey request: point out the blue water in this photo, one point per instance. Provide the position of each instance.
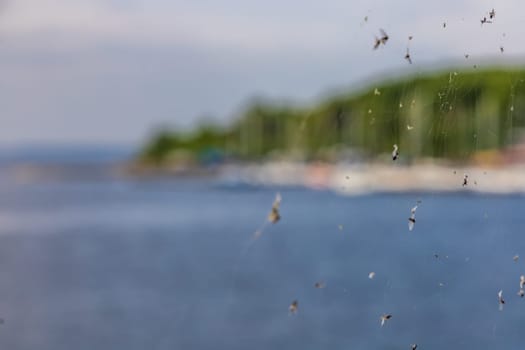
(169, 265)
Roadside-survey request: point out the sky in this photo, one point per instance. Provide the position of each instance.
(115, 71)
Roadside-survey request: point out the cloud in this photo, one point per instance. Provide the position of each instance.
(81, 69)
(87, 23)
(259, 27)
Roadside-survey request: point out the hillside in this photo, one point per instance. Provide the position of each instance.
(450, 115)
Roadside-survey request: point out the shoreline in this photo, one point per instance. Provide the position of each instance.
(355, 179)
(343, 178)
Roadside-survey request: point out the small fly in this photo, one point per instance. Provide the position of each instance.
(385, 318)
(407, 57)
(381, 40)
(485, 20)
(412, 218)
(465, 180)
(501, 301)
(395, 153)
(274, 215)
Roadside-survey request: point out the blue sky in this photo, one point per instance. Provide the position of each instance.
(94, 71)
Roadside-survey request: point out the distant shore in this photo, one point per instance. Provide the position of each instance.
(344, 178)
(352, 179)
(359, 178)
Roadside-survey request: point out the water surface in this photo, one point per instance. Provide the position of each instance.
(169, 265)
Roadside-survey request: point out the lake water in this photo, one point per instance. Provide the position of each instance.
(171, 265)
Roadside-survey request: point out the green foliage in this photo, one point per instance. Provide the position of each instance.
(448, 115)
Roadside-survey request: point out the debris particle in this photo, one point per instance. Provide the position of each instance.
(370, 111)
(516, 258)
(413, 346)
(522, 281)
(409, 127)
(492, 14)
(466, 55)
(444, 24)
(410, 37)
(385, 318)
(437, 256)
(366, 18)
(377, 42)
(521, 293)
(371, 275)
(395, 152)
(377, 92)
(400, 104)
(384, 36)
(293, 307)
(319, 285)
(501, 49)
